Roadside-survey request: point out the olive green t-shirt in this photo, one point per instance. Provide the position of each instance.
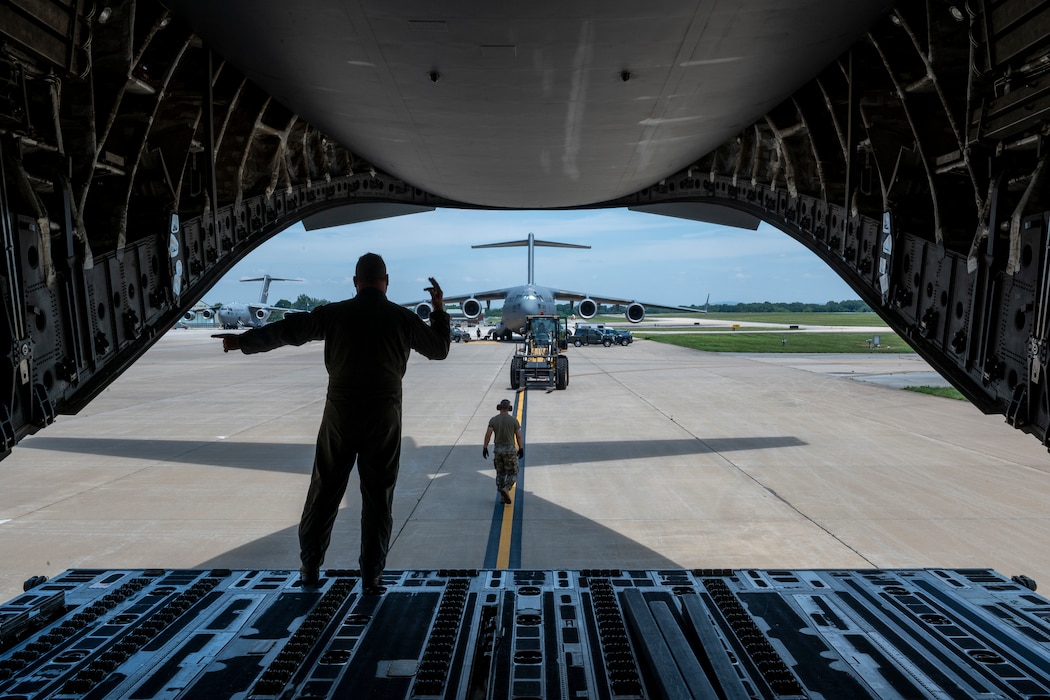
(504, 426)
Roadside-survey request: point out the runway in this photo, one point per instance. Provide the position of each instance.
(654, 457)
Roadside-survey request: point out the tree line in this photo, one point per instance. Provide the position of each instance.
(846, 306)
(302, 303)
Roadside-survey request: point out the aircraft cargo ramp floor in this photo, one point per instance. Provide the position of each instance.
(765, 525)
(207, 634)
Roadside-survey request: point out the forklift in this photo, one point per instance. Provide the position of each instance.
(539, 358)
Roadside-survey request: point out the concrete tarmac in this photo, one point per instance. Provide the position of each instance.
(654, 457)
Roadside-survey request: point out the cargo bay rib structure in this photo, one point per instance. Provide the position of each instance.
(147, 147)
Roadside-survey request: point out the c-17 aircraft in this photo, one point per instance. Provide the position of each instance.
(531, 299)
(245, 315)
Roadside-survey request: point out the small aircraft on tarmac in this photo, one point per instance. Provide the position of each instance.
(244, 315)
(531, 299)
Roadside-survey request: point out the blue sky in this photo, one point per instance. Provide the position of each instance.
(651, 258)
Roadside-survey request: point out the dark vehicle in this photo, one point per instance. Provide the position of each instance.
(459, 334)
(590, 336)
(620, 337)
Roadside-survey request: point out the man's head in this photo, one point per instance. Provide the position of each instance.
(504, 406)
(371, 272)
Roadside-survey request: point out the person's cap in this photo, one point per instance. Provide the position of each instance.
(504, 404)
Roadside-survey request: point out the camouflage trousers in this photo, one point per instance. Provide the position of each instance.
(506, 464)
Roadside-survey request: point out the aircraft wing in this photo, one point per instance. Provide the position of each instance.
(495, 294)
(566, 295)
(201, 309)
(256, 309)
(470, 304)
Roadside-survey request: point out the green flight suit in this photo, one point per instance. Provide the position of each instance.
(368, 340)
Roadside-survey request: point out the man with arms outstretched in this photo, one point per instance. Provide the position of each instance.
(367, 343)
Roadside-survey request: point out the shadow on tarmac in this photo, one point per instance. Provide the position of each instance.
(269, 456)
(548, 454)
(297, 457)
(586, 545)
(280, 549)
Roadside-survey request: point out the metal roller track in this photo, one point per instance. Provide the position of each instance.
(927, 633)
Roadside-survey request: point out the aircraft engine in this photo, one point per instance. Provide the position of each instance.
(189, 316)
(207, 314)
(261, 314)
(635, 312)
(472, 308)
(423, 310)
(587, 308)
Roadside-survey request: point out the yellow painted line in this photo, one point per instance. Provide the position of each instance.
(519, 411)
(507, 524)
(503, 554)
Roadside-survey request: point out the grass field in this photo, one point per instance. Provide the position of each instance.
(810, 319)
(787, 341)
(727, 321)
(945, 391)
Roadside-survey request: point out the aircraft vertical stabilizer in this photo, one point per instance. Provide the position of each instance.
(266, 279)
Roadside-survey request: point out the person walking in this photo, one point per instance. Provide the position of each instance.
(368, 340)
(506, 453)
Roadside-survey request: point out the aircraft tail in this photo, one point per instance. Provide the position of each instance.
(531, 243)
(266, 279)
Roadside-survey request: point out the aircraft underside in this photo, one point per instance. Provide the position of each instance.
(138, 167)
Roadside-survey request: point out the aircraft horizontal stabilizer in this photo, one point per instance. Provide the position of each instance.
(525, 243)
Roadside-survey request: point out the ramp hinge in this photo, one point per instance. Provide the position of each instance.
(1017, 413)
(7, 430)
(45, 410)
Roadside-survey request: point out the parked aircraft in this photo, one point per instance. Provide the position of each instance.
(245, 315)
(531, 299)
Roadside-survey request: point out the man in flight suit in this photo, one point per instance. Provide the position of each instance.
(367, 343)
(506, 455)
